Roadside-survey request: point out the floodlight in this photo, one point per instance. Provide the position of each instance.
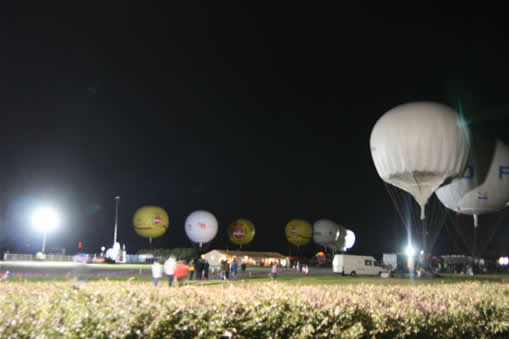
(410, 251)
(45, 219)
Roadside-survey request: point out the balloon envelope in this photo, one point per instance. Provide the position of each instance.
(480, 191)
(349, 239)
(150, 221)
(324, 231)
(298, 232)
(241, 232)
(339, 239)
(181, 271)
(201, 227)
(417, 146)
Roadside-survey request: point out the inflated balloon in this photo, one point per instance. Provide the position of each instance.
(201, 227)
(417, 146)
(181, 270)
(298, 232)
(324, 232)
(150, 222)
(349, 239)
(338, 243)
(484, 188)
(241, 232)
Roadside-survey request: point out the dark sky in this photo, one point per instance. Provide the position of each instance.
(256, 112)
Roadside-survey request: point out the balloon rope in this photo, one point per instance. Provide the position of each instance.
(438, 214)
(396, 203)
(460, 230)
(491, 234)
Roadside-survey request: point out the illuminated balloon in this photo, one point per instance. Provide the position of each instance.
(484, 187)
(241, 232)
(150, 222)
(201, 227)
(298, 232)
(324, 232)
(349, 239)
(418, 146)
(338, 244)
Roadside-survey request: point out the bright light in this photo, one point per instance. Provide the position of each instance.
(503, 261)
(410, 251)
(349, 239)
(45, 219)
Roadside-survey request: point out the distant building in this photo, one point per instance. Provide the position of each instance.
(246, 257)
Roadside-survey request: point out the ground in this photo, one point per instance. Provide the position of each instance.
(36, 271)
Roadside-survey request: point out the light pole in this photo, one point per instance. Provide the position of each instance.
(44, 235)
(117, 199)
(45, 219)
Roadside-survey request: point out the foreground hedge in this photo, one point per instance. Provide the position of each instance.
(123, 309)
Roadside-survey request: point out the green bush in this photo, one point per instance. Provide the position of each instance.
(129, 310)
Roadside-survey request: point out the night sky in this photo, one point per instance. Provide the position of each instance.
(259, 112)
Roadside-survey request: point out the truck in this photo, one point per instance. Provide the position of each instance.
(353, 265)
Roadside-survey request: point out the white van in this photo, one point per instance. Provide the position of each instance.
(353, 265)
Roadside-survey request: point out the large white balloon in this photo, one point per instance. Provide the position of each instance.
(201, 227)
(349, 239)
(417, 146)
(324, 232)
(339, 239)
(480, 192)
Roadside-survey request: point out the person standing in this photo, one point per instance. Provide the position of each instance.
(227, 270)
(274, 271)
(220, 270)
(157, 271)
(199, 269)
(169, 268)
(224, 268)
(191, 269)
(206, 269)
(234, 269)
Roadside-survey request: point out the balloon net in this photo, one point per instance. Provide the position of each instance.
(420, 231)
(477, 241)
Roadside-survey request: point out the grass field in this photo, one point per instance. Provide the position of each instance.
(290, 278)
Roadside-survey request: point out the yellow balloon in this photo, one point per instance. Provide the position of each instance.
(241, 232)
(150, 222)
(299, 232)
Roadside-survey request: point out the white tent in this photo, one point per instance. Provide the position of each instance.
(214, 257)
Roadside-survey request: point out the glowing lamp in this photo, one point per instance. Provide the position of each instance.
(45, 219)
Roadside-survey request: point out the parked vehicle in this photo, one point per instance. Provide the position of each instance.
(353, 265)
(82, 258)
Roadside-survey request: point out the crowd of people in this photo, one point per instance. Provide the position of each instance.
(198, 269)
(170, 269)
(201, 267)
